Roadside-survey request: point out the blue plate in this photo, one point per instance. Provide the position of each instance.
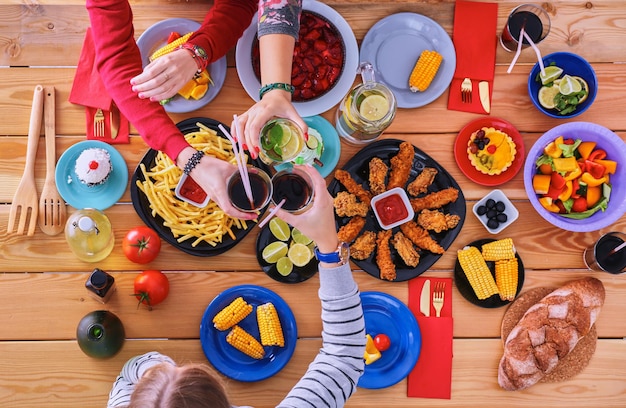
(386, 314)
(393, 45)
(156, 36)
(230, 361)
(332, 146)
(79, 195)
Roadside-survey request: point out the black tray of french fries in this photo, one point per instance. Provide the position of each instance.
(358, 167)
(141, 202)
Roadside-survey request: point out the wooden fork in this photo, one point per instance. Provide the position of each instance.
(466, 91)
(438, 297)
(25, 200)
(98, 123)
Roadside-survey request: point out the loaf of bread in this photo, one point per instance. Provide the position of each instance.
(548, 331)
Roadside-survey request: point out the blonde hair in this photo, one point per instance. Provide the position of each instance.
(188, 386)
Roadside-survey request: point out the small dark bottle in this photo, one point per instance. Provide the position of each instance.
(100, 285)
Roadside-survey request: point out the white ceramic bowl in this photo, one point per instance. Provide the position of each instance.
(509, 210)
(403, 201)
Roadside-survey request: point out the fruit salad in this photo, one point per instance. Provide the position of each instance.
(573, 178)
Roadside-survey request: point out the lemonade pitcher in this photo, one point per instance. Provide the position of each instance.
(367, 110)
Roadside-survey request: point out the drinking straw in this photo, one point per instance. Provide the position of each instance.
(617, 248)
(240, 165)
(244, 176)
(519, 50)
(271, 214)
(537, 52)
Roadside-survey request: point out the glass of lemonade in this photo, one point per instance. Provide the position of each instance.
(281, 141)
(296, 187)
(260, 185)
(367, 110)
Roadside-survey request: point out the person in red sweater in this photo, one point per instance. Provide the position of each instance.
(137, 91)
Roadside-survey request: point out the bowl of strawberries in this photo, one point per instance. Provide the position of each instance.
(574, 176)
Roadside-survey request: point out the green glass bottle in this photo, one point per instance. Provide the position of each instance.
(100, 334)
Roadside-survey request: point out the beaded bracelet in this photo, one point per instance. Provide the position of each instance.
(193, 161)
(276, 85)
(198, 54)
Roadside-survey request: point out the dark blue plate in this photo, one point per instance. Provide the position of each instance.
(386, 314)
(232, 362)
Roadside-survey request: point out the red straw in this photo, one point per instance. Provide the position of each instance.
(271, 214)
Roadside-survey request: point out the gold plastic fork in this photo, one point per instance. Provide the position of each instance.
(98, 123)
(466, 91)
(438, 297)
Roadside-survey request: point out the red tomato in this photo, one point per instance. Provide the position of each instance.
(580, 204)
(141, 245)
(382, 342)
(151, 287)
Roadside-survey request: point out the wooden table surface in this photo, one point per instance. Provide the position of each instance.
(42, 296)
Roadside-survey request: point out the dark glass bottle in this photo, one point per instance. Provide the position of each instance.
(100, 285)
(100, 334)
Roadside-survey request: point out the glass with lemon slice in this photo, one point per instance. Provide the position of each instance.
(282, 140)
(367, 110)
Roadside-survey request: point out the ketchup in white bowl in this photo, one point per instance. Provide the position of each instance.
(392, 208)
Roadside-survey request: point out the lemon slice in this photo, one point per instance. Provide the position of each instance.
(274, 251)
(552, 72)
(299, 254)
(585, 87)
(287, 134)
(371, 353)
(299, 238)
(546, 96)
(284, 266)
(280, 229)
(374, 107)
(569, 85)
(292, 147)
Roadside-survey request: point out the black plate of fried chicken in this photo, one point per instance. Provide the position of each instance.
(408, 250)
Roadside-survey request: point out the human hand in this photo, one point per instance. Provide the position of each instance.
(318, 222)
(165, 76)
(276, 103)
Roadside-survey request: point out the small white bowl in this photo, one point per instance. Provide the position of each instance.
(404, 202)
(177, 191)
(509, 209)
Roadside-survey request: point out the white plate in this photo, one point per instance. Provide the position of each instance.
(156, 36)
(243, 58)
(393, 45)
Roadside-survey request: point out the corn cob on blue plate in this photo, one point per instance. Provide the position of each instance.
(232, 362)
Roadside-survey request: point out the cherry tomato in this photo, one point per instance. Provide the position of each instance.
(151, 287)
(141, 245)
(382, 342)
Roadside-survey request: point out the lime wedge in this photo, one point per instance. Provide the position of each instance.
(274, 251)
(569, 85)
(546, 96)
(284, 266)
(280, 229)
(287, 134)
(299, 237)
(374, 107)
(299, 254)
(585, 87)
(552, 72)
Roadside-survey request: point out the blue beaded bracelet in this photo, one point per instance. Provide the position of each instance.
(276, 85)
(193, 161)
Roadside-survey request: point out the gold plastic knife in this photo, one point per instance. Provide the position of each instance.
(114, 121)
(425, 298)
(483, 92)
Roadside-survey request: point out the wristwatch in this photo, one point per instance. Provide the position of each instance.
(340, 256)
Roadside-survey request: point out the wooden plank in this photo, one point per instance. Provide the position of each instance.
(61, 301)
(57, 374)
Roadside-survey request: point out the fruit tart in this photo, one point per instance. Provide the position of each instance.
(491, 151)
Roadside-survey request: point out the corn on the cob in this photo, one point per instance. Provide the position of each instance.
(244, 342)
(232, 314)
(477, 272)
(506, 278)
(498, 250)
(269, 325)
(167, 48)
(425, 70)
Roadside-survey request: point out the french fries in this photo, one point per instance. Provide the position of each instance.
(186, 221)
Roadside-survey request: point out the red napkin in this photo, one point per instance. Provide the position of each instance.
(89, 91)
(475, 39)
(432, 375)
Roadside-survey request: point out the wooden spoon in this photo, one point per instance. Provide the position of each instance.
(52, 212)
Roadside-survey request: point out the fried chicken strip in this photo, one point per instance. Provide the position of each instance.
(383, 256)
(352, 186)
(420, 237)
(364, 245)
(346, 205)
(348, 232)
(405, 249)
(377, 176)
(437, 221)
(422, 181)
(435, 200)
(401, 166)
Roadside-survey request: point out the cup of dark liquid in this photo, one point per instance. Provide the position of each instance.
(295, 187)
(608, 254)
(533, 18)
(260, 185)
